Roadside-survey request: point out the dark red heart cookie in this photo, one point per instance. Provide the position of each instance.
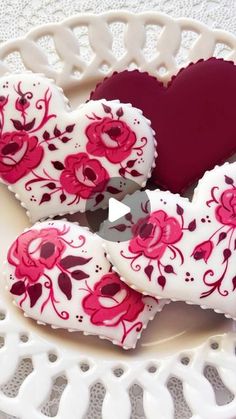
(194, 117)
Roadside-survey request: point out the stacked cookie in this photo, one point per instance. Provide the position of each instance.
(58, 162)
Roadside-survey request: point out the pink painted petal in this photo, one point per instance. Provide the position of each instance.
(134, 246)
(171, 232)
(156, 251)
(225, 216)
(108, 316)
(90, 304)
(96, 149)
(117, 155)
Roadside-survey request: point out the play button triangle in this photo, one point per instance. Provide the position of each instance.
(119, 222)
(116, 210)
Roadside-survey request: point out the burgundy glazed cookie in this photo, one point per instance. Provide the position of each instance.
(194, 117)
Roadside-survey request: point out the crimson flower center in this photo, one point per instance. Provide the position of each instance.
(111, 295)
(110, 289)
(110, 137)
(10, 148)
(41, 249)
(13, 149)
(86, 176)
(146, 230)
(47, 250)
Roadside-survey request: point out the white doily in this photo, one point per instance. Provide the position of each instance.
(17, 17)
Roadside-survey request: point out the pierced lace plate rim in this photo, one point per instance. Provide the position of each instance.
(38, 347)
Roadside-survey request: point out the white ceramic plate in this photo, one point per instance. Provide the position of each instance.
(185, 363)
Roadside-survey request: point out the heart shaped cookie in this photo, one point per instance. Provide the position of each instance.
(193, 117)
(185, 250)
(58, 274)
(55, 160)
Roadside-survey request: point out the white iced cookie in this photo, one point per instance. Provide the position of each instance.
(55, 160)
(57, 273)
(185, 250)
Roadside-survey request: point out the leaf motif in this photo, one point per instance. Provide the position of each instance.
(30, 125)
(119, 227)
(45, 198)
(131, 163)
(169, 269)
(18, 288)
(71, 261)
(56, 132)
(46, 135)
(52, 147)
(222, 236)
(62, 197)
(65, 139)
(135, 173)
(17, 124)
(229, 180)
(148, 271)
(113, 190)
(65, 285)
(79, 275)
(234, 283)
(122, 171)
(226, 253)
(161, 281)
(179, 209)
(70, 128)
(119, 112)
(99, 198)
(58, 165)
(106, 108)
(50, 185)
(192, 225)
(35, 292)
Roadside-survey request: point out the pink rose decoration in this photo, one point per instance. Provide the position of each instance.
(19, 154)
(153, 234)
(112, 302)
(83, 176)
(226, 212)
(110, 138)
(203, 250)
(34, 251)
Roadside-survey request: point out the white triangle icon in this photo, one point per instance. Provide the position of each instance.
(116, 210)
